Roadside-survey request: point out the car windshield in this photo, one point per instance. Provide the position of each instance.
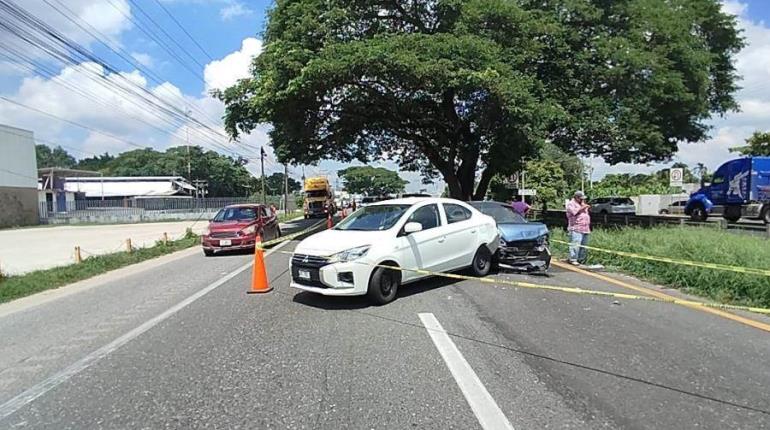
(236, 214)
(373, 218)
(624, 201)
(501, 213)
(317, 193)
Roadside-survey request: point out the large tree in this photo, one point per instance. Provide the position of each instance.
(372, 181)
(275, 184)
(464, 89)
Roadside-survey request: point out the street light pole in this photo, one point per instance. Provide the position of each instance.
(286, 189)
(262, 163)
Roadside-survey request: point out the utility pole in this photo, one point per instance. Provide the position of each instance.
(286, 189)
(187, 132)
(262, 162)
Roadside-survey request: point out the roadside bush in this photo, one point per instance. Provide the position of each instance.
(702, 244)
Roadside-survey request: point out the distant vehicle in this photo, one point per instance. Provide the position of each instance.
(739, 188)
(676, 208)
(319, 198)
(523, 244)
(433, 234)
(236, 227)
(612, 205)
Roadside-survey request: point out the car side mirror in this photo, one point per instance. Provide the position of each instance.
(412, 227)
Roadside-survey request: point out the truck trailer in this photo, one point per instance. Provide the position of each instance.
(739, 189)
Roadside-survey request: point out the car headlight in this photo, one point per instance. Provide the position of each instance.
(248, 230)
(349, 254)
(502, 242)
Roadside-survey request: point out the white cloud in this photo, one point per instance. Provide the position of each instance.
(223, 73)
(145, 60)
(233, 10)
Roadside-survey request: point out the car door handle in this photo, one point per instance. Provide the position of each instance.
(473, 231)
(442, 239)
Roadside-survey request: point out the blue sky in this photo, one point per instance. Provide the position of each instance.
(230, 32)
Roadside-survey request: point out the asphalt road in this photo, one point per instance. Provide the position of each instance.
(181, 345)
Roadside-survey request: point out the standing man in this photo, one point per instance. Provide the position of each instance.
(520, 206)
(578, 227)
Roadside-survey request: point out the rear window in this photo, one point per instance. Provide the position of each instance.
(623, 201)
(456, 213)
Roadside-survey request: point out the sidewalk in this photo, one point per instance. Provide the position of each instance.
(28, 249)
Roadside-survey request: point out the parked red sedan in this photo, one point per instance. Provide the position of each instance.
(235, 227)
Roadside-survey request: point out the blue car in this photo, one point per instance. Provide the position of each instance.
(523, 244)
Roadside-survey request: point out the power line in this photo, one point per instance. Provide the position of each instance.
(143, 94)
(128, 142)
(181, 27)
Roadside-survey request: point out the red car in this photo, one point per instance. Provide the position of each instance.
(235, 227)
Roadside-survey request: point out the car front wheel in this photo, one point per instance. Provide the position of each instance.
(383, 285)
(482, 262)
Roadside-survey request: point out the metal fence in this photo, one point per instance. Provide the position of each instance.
(142, 209)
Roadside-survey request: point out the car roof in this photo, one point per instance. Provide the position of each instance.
(244, 205)
(415, 200)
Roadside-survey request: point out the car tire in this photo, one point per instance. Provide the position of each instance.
(482, 262)
(766, 215)
(698, 213)
(664, 211)
(208, 252)
(383, 285)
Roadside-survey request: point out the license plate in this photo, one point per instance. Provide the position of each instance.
(225, 242)
(304, 274)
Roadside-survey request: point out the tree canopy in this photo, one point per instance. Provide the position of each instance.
(275, 186)
(54, 157)
(465, 90)
(372, 181)
(756, 145)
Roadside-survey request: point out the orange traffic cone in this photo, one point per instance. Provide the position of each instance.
(259, 274)
(329, 222)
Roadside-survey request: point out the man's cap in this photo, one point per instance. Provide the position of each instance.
(580, 194)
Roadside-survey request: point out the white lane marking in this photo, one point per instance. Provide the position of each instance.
(51, 382)
(483, 405)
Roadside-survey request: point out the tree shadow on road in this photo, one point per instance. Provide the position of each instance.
(362, 302)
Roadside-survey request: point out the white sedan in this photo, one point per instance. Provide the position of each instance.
(431, 234)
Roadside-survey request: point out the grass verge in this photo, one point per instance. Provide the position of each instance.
(17, 286)
(703, 244)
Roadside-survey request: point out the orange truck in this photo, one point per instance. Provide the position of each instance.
(319, 197)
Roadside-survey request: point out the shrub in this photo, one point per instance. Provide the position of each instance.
(701, 244)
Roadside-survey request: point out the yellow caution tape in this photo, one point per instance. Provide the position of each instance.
(289, 236)
(573, 290)
(715, 266)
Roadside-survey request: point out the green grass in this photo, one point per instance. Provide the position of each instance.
(14, 287)
(703, 244)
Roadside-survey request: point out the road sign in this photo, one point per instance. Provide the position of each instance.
(676, 177)
(527, 192)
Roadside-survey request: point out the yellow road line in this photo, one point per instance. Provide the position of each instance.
(664, 296)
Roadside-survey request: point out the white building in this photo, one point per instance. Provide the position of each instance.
(122, 187)
(18, 177)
